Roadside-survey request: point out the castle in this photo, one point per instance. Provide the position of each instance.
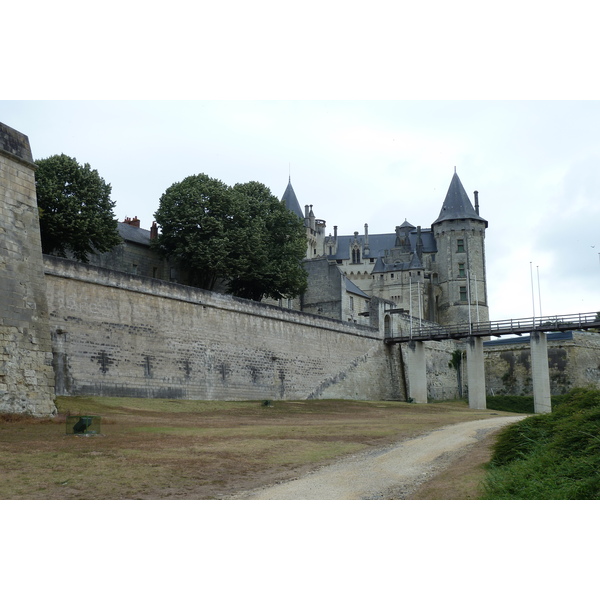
(124, 325)
(435, 273)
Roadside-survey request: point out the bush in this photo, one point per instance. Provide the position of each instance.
(554, 456)
(517, 404)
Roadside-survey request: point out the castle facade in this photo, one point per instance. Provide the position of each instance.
(436, 273)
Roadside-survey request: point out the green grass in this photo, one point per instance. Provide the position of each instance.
(553, 456)
(517, 404)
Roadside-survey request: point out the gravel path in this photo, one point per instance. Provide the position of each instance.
(390, 473)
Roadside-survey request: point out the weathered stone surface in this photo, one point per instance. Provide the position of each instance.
(118, 334)
(26, 373)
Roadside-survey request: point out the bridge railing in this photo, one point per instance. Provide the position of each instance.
(504, 327)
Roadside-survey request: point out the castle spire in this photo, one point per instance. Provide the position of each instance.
(457, 204)
(290, 200)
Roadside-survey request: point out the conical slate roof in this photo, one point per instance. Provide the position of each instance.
(457, 204)
(415, 262)
(290, 200)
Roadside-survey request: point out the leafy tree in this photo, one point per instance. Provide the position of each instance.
(76, 212)
(197, 218)
(272, 248)
(242, 235)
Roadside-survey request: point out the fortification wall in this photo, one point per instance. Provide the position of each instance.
(117, 334)
(26, 375)
(574, 361)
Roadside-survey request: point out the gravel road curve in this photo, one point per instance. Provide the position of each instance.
(390, 473)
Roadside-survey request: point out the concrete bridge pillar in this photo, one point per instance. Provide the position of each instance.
(540, 373)
(476, 373)
(417, 372)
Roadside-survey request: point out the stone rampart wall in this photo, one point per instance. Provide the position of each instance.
(117, 334)
(573, 359)
(26, 376)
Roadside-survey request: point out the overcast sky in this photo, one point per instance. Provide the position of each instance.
(536, 166)
(323, 68)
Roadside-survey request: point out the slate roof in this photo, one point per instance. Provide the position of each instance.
(457, 204)
(290, 200)
(354, 289)
(380, 242)
(381, 267)
(134, 234)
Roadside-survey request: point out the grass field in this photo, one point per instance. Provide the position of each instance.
(553, 456)
(186, 449)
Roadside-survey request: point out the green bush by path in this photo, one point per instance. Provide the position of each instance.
(516, 404)
(553, 456)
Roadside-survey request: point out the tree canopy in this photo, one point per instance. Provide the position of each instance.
(242, 235)
(76, 212)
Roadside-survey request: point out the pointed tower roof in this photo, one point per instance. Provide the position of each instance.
(415, 262)
(457, 204)
(290, 200)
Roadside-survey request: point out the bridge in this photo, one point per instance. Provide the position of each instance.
(433, 331)
(473, 334)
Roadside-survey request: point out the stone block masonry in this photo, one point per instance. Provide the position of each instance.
(26, 373)
(116, 334)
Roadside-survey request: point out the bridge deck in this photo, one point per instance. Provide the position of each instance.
(423, 333)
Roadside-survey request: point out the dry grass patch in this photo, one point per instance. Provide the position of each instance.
(152, 448)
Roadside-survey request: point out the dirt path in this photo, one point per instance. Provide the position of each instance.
(389, 473)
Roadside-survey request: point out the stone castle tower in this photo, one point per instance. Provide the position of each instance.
(459, 232)
(26, 372)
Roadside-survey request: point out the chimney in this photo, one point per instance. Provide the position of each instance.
(476, 194)
(335, 232)
(135, 222)
(366, 235)
(154, 231)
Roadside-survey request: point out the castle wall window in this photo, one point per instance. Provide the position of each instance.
(351, 303)
(356, 255)
(461, 269)
(460, 245)
(463, 293)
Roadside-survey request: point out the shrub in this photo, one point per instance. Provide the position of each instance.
(553, 456)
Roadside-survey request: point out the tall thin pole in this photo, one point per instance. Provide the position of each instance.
(476, 299)
(469, 299)
(532, 293)
(410, 301)
(539, 292)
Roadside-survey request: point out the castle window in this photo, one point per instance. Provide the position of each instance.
(351, 303)
(392, 275)
(463, 293)
(355, 255)
(330, 249)
(461, 269)
(460, 245)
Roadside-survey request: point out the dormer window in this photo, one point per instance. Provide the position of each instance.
(355, 255)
